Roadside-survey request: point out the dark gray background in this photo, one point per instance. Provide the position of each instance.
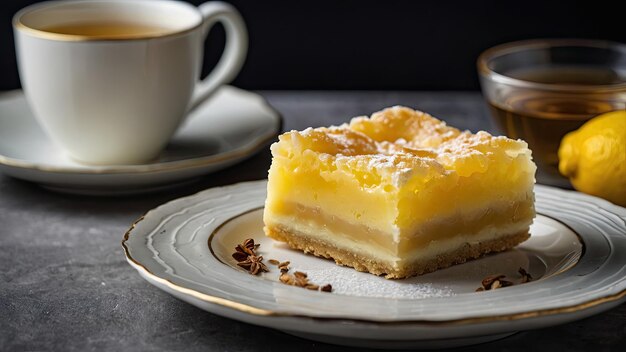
(376, 44)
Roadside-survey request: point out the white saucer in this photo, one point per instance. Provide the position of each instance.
(233, 125)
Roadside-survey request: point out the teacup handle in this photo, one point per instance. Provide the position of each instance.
(234, 53)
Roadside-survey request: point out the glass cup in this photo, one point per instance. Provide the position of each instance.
(539, 90)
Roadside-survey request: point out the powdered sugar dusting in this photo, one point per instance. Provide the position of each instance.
(347, 281)
(399, 144)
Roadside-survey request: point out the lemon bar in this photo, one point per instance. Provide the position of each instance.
(399, 194)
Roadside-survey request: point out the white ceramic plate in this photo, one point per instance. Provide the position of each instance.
(575, 253)
(231, 126)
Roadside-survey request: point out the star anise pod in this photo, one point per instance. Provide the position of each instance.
(254, 264)
(249, 244)
(245, 249)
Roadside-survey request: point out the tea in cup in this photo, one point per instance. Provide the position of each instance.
(110, 81)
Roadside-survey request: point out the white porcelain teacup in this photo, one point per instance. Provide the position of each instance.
(111, 80)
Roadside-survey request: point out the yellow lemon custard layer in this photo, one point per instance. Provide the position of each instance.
(399, 193)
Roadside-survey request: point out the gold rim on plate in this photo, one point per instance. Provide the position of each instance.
(244, 308)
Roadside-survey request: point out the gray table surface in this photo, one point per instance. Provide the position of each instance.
(65, 284)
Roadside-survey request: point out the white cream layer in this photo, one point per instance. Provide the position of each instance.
(370, 250)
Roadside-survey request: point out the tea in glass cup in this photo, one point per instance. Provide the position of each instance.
(539, 90)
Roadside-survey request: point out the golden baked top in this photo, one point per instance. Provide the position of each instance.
(399, 139)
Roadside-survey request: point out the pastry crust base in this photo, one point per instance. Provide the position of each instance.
(465, 252)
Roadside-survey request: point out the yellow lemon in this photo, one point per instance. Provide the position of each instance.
(594, 157)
